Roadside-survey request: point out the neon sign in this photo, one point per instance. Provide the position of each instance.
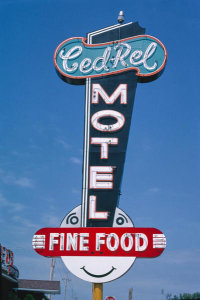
(97, 240)
(76, 60)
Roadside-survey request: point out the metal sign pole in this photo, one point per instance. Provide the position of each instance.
(97, 291)
(1, 296)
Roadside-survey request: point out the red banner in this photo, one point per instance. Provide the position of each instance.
(99, 241)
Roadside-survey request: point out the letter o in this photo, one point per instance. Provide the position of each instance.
(116, 241)
(108, 113)
(130, 241)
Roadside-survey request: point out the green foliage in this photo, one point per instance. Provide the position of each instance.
(184, 297)
(13, 296)
(29, 297)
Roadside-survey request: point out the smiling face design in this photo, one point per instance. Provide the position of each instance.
(98, 269)
(93, 268)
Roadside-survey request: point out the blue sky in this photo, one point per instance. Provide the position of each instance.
(41, 139)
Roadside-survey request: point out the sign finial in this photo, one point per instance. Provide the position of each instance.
(121, 17)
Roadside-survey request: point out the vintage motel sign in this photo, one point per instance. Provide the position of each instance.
(111, 62)
(97, 241)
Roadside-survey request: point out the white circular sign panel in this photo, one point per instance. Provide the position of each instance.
(92, 268)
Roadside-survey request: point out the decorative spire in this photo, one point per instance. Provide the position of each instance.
(121, 17)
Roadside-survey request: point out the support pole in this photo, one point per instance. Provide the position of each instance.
(130, 295)
(53, 261)
(97, 291)
(1, 292)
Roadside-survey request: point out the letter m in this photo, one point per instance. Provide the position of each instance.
(121, 91)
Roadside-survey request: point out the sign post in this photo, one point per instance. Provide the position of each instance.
(0, 272)
(97, 240)
(97, 291)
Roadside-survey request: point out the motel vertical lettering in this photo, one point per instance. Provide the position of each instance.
(111, 104)
(108, 112)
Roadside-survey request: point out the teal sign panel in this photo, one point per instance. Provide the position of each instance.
(75, 60)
